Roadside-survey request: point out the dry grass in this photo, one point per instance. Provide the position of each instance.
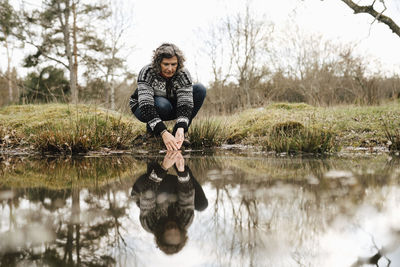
(74, 129)
(349, 125)
(67, 128)
(208, 132)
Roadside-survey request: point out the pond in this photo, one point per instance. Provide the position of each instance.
(220, 209)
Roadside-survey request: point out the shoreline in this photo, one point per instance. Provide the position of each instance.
(294, 128)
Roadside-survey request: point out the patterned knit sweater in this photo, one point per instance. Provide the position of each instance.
(158, 193)
(178, 89)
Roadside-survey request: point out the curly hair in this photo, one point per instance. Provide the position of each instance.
(167, 50)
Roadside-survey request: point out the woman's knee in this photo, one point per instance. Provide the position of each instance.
(162, 104)
(199, 91)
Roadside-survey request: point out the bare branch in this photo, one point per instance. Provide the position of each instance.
(45, 54)
(377, 15)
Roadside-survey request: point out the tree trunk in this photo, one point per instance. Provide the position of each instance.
(68, 52)
(9, 77)
(75, 51)
(112, 94)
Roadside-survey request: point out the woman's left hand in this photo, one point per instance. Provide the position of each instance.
(179, 136)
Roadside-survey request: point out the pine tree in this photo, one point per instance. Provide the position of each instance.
(64, 31)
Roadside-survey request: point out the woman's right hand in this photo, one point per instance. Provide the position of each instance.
(170, 141)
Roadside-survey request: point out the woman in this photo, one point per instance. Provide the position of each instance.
(165, 92)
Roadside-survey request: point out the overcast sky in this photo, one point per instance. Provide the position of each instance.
(181, 21)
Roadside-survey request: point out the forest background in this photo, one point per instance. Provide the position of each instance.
(247, 53)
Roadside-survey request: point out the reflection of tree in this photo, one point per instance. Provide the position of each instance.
(81, 224)
(289, 202)
(380, 253)
(265, 211)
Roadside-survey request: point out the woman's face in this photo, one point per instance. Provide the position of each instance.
(169, 66)
(172, 235)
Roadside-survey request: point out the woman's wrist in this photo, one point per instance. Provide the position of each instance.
(162, 167)
(163, 132)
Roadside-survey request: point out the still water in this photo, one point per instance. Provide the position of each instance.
(224, 209)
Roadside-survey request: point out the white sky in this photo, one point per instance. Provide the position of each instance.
(181, 21)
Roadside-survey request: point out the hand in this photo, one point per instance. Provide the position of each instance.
(169, 141)
(179, 136)
(180, 162)
(170, 159)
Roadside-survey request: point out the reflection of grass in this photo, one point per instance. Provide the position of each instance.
(63, 173)
(265, 170)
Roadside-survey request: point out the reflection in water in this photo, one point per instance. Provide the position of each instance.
(263, 211)
(69, 222)
(167, 202)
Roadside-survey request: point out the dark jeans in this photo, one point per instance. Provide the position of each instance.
(167, 110)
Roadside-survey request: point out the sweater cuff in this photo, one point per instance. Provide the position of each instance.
(181, 125)
(159, 128)
(183, 176)
(155, 172)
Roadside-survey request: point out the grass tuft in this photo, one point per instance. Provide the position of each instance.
(289, 128)
(69, 129)
(293, 137)
(392, 132)
(206, 133)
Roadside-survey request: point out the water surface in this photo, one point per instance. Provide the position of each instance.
(224, 210)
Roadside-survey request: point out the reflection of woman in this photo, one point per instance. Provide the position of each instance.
(167, 202)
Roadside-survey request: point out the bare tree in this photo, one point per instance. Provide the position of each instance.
(221, 63)
(108, 66)
(8, 24)
(378, 15)
(237, 48)
(248, 38)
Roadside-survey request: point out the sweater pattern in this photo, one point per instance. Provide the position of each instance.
(151, 84)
